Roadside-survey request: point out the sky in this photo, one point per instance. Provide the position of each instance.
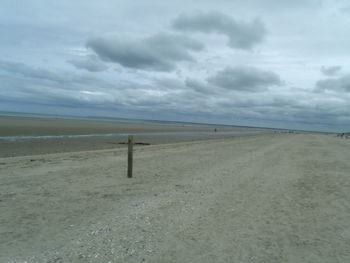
(270, 63)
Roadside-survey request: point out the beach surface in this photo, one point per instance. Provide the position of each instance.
(259, 198)
(71, 135)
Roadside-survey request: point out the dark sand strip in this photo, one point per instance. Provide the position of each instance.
(20, 126)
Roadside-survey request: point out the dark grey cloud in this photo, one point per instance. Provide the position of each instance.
(160, 52)
(242, 35)
(90, 63)
(330, 71)
(341, 84)
(245, 79)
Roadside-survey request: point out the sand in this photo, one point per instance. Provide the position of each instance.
(264, 198)
(11, 126)
(21, 126)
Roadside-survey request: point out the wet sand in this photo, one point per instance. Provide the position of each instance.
(20, 126)
(16, 126)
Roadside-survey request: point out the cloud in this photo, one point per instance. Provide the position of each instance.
(245, 79)
(166, 84)
(330, 71)
(90, 63)
(242, 35)
(345, 9)
(285, 5)
(341, 84)
(42, 77)
(200, 86)
(28, 71)
(172, 98)
(160, 52)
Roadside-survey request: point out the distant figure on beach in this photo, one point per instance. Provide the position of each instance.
(341, 135)
(215, 130)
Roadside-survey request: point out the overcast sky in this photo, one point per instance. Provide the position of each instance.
(277, 63)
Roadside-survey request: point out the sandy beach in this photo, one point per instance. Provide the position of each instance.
(262, 198)
(11, 126)
(21, 126)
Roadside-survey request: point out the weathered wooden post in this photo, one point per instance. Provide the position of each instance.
(130, 153)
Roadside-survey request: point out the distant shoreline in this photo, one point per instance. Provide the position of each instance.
(21, 136)
(47, 126)
(46, 137)
(7, 114)
(4, 114)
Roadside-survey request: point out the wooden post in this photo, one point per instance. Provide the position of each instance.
(130, 157)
